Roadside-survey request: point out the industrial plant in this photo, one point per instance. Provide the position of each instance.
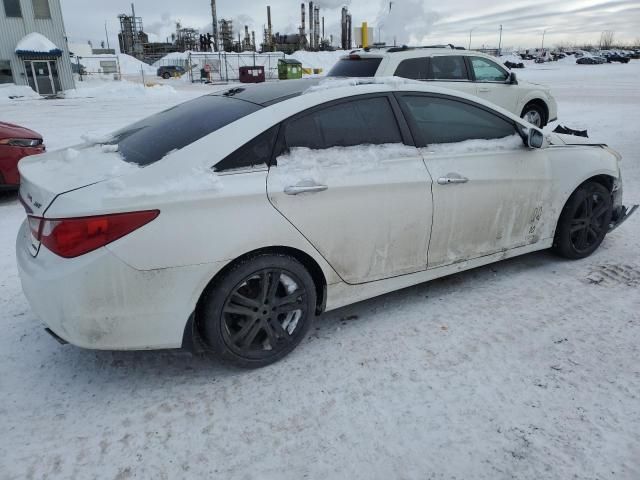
(227, 37)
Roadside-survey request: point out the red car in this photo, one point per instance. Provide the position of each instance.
(16, 143)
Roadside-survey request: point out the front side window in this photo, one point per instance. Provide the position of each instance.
(12, 8)
(41, 9)
(369, 121)
(440, 120)
(449, 68)
(149, 140)
(413, 68)
(6, 76)
(257, 152)
(488, 71)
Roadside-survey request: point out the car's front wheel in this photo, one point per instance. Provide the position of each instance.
(258, 311)
(584, 221)
(166, 75)
(534, 114)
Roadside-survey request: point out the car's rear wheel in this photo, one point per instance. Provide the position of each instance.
(584, 221)
(534, 114)
(166, 75)
(259, 311)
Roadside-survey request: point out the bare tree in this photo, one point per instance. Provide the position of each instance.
(606, 39)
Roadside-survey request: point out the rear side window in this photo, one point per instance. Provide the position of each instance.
(449, 68)
(257, 152)
(441, 120)
(147, 141)
(355, 67)
(369, 121)
(488, 71)
(414, 68)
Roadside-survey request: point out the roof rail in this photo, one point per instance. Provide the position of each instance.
(404, 48)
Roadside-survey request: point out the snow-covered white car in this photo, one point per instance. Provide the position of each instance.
(464, 70)
(230, 221)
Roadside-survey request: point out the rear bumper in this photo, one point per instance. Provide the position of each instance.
(97, 301)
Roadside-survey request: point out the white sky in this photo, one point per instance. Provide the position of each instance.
(410, 21)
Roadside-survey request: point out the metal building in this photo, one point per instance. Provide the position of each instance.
(33, 46)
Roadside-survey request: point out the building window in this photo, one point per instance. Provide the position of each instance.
(41, 9)
(5, 72)
(12, 8)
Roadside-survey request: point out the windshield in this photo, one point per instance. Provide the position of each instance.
(147, 141)
(355, 67)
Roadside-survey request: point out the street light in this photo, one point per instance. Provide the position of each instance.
(543, 34)
(500, 43)
(470, 31)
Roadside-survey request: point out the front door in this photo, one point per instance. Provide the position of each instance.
(359, 195)
(492, 83)
(42, 76)
(491, 193)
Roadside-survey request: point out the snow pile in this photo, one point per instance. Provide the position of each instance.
(331, 83)
(37, 43)
(323, 60)
(512, 142)
(10, 91)
(123, 89)
(196, 180)
(307, 165)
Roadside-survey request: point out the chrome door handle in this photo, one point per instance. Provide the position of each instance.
(450, 180)
(298, 189)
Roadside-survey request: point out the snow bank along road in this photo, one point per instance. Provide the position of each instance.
(525, 369)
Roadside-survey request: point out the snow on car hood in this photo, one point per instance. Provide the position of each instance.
(43, 177)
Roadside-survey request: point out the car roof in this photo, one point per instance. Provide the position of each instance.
(412, 52)
(268, 93)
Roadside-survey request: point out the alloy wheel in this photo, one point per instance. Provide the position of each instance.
(589, 222)
(533, 117)
(262, 314)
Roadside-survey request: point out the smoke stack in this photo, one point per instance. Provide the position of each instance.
(323, 27)
(311, 25)
(269, 31)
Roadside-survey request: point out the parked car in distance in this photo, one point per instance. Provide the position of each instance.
(290, 199)
(464, 70)
(168, 71)
(16, 143)
(591, 60)
(616, 57)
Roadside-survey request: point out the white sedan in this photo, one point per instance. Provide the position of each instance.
(228, 223)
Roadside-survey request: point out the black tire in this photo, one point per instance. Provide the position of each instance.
(584, 221)
(252, 306)
(166, 75)
(534, 111)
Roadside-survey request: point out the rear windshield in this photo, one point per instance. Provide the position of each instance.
(147, 141)
(355, 67)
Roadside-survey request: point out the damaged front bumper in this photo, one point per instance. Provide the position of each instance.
(620, 215)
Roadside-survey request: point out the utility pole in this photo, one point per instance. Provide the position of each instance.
(500, 43)
(543, 34)
(214, 22)
(470, 32)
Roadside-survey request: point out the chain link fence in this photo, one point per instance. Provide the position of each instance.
(98, 66)
(225, 67)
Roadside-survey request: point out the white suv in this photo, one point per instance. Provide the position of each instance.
(467, 71)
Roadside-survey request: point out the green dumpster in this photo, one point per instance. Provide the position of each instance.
(289, 69)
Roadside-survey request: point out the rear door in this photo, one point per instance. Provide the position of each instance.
(491, 83)
(345, 179)
(451, 71)
(490, 192)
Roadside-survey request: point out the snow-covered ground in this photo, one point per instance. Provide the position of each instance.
(528, 368)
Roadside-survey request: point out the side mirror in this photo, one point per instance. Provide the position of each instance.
(513, 79)
(537, 139)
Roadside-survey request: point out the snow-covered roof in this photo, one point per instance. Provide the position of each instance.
(36, 43)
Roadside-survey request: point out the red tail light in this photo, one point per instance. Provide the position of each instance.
(72, 237)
